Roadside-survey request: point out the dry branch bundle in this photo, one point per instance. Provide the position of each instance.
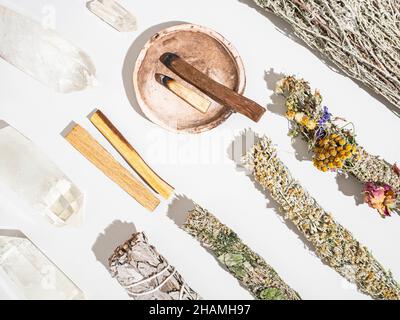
(360, 37)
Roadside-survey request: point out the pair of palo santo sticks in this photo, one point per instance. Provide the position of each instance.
(208, 86)
(81, 140)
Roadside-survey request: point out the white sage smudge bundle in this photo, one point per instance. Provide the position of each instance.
(145, 274)
(248, 267)
(43, 54)
(360, 37)
(331, 241)
(333, 143)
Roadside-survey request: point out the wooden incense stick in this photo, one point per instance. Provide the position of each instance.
(212, 88)
(118, 141)
(82, 141)
(195, 100)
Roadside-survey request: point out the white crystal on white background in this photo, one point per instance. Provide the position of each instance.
(27, 173)
(43, 54)
(113, 13)
(26, 273)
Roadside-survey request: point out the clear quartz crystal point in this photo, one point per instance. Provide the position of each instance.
(26, 273)
(30, 177)
(43, 54)
(113, 13)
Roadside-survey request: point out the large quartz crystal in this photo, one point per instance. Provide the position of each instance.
(113, 13)
(26, 273)
(43, 54)
(30, 177)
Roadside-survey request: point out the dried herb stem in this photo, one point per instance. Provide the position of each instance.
(248, 267)
(332, 242)
(360, 37)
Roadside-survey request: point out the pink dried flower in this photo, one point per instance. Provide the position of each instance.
(380, 197)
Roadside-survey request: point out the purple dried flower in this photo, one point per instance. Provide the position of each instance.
(326, 116)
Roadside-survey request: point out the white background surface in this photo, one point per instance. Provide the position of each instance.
(197, 166)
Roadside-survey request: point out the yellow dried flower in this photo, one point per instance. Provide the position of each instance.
(290, 115)
(299, 117)
(311, 125)
(334, 150)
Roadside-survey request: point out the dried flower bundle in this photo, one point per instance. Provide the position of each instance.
(333, 142)
(113, 13)
(248, 267)
(145, 274)
(360, 37)
(332, 242)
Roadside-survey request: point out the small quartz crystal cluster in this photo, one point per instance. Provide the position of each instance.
(145, 274)
(113, 13)
(248, 267)
(335, 148)
(332, 242)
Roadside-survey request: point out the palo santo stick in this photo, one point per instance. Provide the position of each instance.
(82, 141)
(195, 100)
(118, 141)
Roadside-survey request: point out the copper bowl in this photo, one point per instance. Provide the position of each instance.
(206, 50)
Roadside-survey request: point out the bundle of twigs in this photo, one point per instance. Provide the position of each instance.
(360, 37)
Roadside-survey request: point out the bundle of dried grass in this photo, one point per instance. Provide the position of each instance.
(333, 243)
(243, 263)
(360, 37)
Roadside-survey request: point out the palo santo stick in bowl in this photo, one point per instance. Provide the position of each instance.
(195, 100)
(118, 141)
(82, 141)
(212, 88)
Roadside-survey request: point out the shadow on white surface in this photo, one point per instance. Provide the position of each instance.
(179, 208)
(350, 187)
(3, 124)
(271, 78)
(112, 237)
(64, 133)
(12, 233)
(130, 61)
